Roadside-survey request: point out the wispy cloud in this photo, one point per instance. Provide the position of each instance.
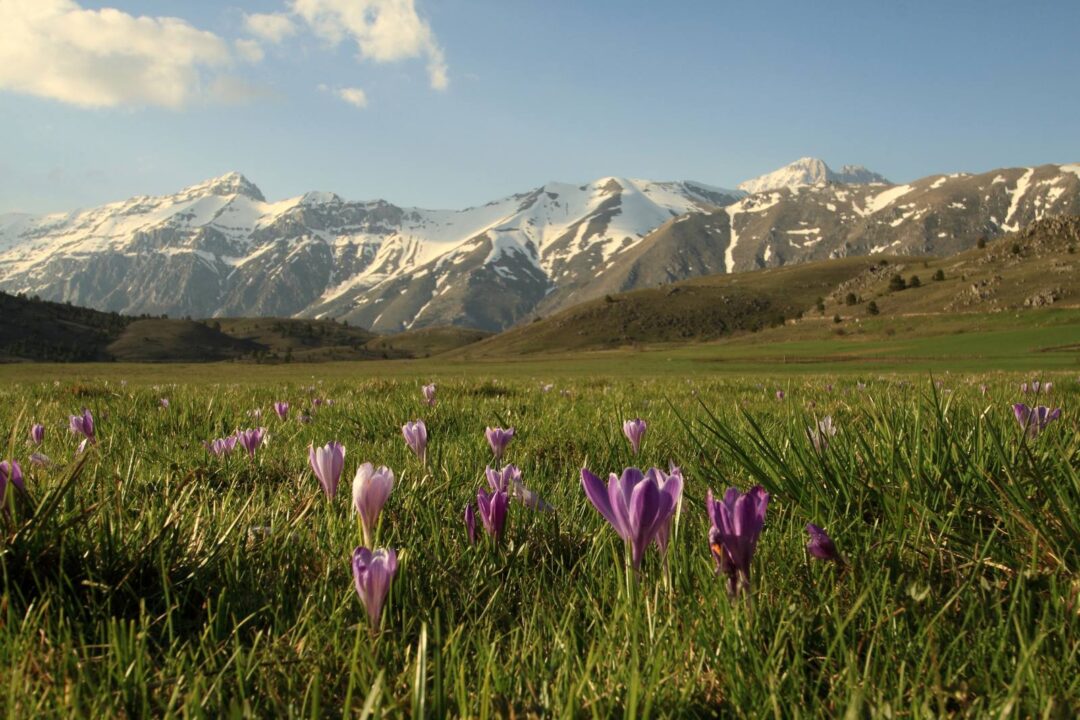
(383, 30)
(271, 27)
(105, 58)
(353, 95)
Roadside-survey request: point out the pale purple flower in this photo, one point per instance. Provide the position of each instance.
(821, 545)
(370, 490)
(327, 463)
(508, 480)
(636, 504)
(492, 507)
(10, 472)
(40, 459)
(498, 439)
(429, 394)
(502, 479)
(1035, 419)
(821, 435)
(672, 484)
(1048, 387)
(83, 425)
(470, 523)
(164, 403)
(634, 431)
(282, 409)
(221, 446)
(251, 439)
(372, 575)
(255, 414)
(1023, 388)
(416, 438)
(546, 387)
(983, 389)
(37, 433)
(1035, 385)
(737, 520)
(780, 394)
(303, 418)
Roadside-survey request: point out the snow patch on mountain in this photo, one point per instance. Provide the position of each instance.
(809, 171)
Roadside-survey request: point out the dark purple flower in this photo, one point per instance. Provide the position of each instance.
(251, 439)
(636, 504)
(416, 437)
(634, 431)
(821, 545)
(10, 472)
(1034, 420)
(282, 409)
(327, 463)
(372, 575)
(470, 523)
(672, 484)
(492, 507)
(498, 439)
(83, 425)
(737, 520)
(429, 394)
(37, 433)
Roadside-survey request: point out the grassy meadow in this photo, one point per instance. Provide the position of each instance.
(146, 577)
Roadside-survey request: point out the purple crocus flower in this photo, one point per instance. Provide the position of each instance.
(372, 574)
(327, 463)
(416, 437)
(821, 435)
(429, 394)
(636, 504)
(83, 425)
(508, 480)
(282, 409)
(251, 439)
(983, 389)
(10, 472)
(1035, 385)
(37, 433)
(40, 459)
(502, 479)
(780, 394)
(370, 490)
(1023, 388)
(492, 507)
(821, 545)
(498, 439)
(634, 431)
(164, 403)
(470, 523)
(1035, 419)
(737, 520)
(671, 483)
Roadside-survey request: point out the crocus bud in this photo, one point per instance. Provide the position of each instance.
(634, 431)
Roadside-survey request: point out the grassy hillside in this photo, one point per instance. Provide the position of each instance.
(425, 342)
(1034, 268)
(32, 329)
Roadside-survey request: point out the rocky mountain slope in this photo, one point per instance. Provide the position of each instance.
(220, 249)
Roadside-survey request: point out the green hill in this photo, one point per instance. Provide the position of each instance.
(1030, 269)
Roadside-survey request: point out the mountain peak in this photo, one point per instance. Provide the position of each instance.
(810, 171)
(231, 183)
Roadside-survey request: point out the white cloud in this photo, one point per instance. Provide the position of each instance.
(272, 27)
(383, 30)
(104, 58)
(352, 95)
(249, 50)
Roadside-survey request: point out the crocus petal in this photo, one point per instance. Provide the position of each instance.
(597, 493)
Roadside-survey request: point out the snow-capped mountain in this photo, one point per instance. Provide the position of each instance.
(936, 215)
(220, 249)
(811, 171)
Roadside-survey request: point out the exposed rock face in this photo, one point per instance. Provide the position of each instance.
(220, 249)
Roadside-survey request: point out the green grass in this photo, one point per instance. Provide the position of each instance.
(139, 579)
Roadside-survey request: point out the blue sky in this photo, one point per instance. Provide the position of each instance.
(537, 91)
